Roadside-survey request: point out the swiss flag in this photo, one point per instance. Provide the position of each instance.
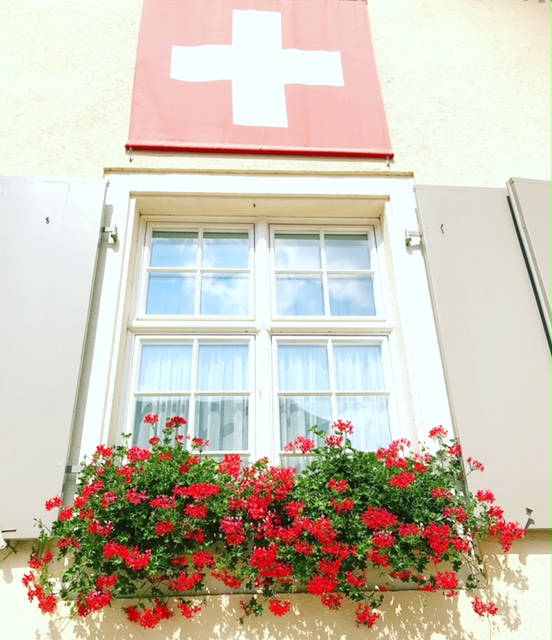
(258, 76)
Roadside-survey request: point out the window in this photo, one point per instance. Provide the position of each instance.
(257, 331)
(198, 273)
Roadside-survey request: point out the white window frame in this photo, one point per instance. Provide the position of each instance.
(333, 393)
(195, 340)
(281, 198)
(371, 227)
(263, 322)
(186, 225)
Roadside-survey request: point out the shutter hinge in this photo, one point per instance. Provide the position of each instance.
(113, 233)
(410, 235)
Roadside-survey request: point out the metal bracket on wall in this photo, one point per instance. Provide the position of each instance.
(113, 233)
(4, 543)
(410, 235)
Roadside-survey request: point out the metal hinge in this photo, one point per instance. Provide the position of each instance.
(410, 235)
(113, 233)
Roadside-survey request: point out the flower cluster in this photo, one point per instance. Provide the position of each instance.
(158, 524)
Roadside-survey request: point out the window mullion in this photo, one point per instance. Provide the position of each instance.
(192, 429)
(262, 427)
(199, 272)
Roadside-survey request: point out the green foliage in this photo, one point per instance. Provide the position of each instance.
(162, 524)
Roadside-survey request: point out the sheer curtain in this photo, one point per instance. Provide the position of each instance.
(359, 369)
(223, 419)
(222, 391)
(166, 367)
(303, 368)
(305, 391)
(163, 368)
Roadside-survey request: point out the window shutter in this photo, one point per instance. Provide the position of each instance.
(495, 353)
(49, 233)
(530, 203)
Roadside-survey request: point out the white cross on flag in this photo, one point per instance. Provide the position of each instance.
(258, 76)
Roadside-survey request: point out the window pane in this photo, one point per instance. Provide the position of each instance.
(370, 416)
(165, 367)
(303, 367)
(224, 422)
(347, 252)
(170, 294)
(226, 250)
(224, 294)
(165, 408)
(359, 367)
(297, 251)
(223, 367)
(174, 249)
(300, 296)
(351, 296)
(299, 413)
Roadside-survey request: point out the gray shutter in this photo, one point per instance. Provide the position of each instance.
(49, 232)
(530, 202)
(495, 352)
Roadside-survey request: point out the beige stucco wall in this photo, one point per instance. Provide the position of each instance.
(519, 583)
(466, 87)
(467, 92)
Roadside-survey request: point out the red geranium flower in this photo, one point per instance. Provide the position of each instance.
(475, 465)
(366, 615)
(438, 432)
(279, 607)
(302, 444)
(403, 480)
(338, 485)
(53, 503)
(343, 426)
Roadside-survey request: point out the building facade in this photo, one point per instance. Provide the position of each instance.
(447, 303)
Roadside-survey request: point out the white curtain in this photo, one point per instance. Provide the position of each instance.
(166, 367)
(358, 369)
(303, 367)
(223, 419)
(222, 406)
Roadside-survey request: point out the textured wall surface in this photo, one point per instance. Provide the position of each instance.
(518, 583)
(466, 87)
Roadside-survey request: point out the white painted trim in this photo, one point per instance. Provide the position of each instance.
(417, 368)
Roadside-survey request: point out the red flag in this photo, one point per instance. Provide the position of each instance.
(259, 76)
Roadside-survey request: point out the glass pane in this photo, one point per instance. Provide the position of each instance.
(223, 367)
(303, 367)
(351, 296)
(224, 422)
(370, 417)
(170, 294)
(296, 462)
(297, 251)
(359, 367)
(300, 296)
(347, 252)
(226, 250)
(174, 249)
(299, 413)
(165, 367)
(165, 408)
(224, 294)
